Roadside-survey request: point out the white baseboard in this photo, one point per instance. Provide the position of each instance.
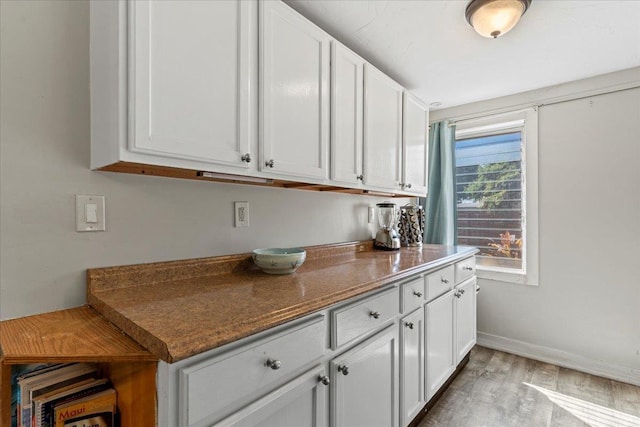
(560, 358)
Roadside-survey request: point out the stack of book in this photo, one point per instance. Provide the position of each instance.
(65, 395)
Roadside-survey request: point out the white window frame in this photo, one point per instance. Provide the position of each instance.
(526, 121)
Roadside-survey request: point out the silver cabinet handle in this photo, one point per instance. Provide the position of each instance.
(269, 163)
(418, 294)
(477, 289)
(409, 325)
(273, 364)
(344, 369)
(324, 379)
(374, 314)
(408, 185)
(360, 177)
(467, 268)
(246, 158)
(461, 291)
(443, 280)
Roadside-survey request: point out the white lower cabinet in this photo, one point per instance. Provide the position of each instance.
(217, 386)
(465, 308)
(374, 360)
(300, 402)
(439, 342)
(364, 387)
(412, 396)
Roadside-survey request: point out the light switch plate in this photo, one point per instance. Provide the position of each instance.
(241, 217)
(90, 213)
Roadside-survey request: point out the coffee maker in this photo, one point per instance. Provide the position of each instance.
(387, 237)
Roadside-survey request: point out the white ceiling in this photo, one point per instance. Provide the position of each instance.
(428, 47)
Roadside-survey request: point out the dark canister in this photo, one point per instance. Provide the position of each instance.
(411, 225)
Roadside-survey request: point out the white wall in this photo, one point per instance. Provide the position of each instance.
(44, 161)
(585, 313)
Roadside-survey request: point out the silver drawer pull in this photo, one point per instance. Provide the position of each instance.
(418, 294)
(409, 325)
(457, 294)
(467, 268)
(461, 291)
(443, 280)
(344, 369)
(374, 314)
(270, 163)
(324, 379)
(273, 364)
(246, 158)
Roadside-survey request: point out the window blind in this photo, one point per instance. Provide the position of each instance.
(489, 194)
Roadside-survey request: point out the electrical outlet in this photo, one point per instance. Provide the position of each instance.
(370, 215)
(241, 210)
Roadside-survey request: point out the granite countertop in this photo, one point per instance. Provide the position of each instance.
(182, 308)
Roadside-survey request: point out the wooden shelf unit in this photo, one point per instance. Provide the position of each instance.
(81, 335)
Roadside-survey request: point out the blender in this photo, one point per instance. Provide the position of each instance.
(387, 237)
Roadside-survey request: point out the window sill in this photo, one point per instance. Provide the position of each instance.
(506, 277)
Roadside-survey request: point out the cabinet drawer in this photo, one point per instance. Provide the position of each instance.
(412, 295)
(362, 317)
(465, 269)
(440, 282)
(215, 387)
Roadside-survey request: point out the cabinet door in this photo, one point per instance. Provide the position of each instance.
(382, 130)
(365, 383)
(190, 80)
(440, 341)
(414, 145)
(412, 397)
(294, 81)
(299, 403)
(465, 318)
(346, 114)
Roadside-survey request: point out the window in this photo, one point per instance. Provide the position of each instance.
(496, 193)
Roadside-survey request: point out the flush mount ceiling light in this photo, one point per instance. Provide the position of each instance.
(493, 18)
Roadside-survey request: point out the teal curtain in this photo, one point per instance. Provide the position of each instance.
(440, 203)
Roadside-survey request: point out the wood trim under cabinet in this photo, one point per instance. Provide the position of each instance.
(172, 172)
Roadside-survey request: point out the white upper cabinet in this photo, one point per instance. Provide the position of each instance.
(248, 88)
(294, 84)
(414, 147)
(190, 93)
(347, 74)
(382, 130)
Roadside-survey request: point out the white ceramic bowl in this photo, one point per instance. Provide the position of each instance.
(279, 260)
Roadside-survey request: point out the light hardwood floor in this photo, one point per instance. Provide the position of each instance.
(498, 389)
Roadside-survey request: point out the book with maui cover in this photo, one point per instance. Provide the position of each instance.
(49, 380)
(43, 405)
(96, 410)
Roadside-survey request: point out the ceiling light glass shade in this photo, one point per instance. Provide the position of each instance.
(493, 18)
